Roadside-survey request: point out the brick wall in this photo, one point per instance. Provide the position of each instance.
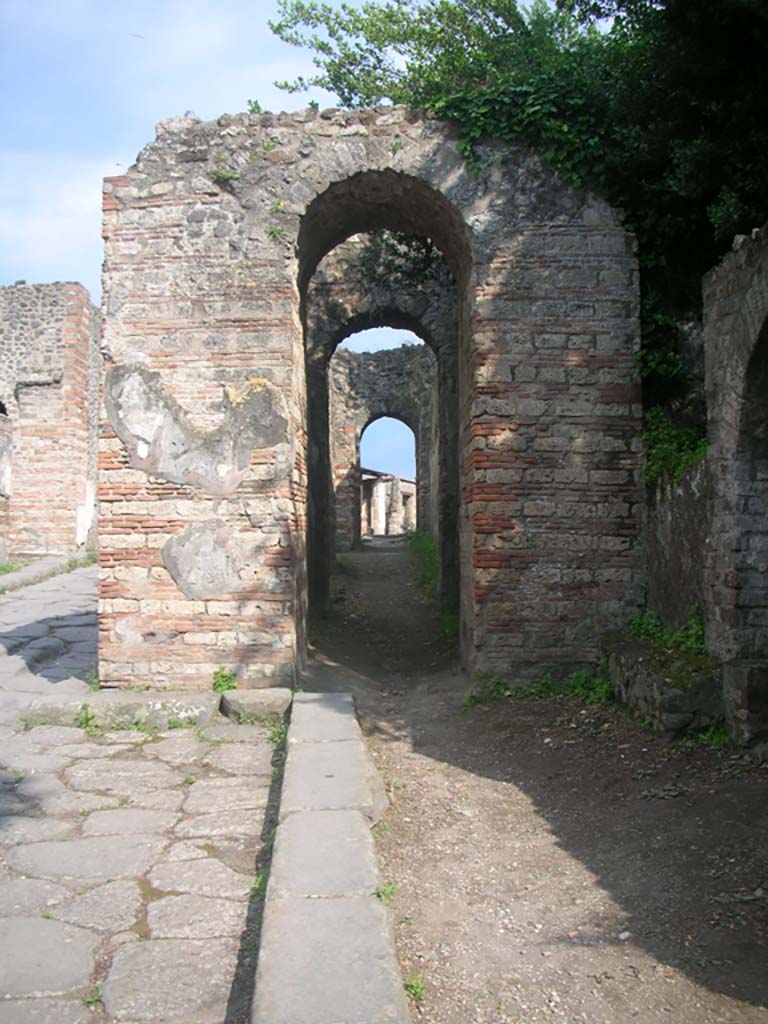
(49, 339)
(206, 285)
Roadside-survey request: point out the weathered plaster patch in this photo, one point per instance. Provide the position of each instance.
(161, 440)
(209, 559)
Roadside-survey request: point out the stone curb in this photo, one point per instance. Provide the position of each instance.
(39, 570)
(108, 709)
(327, 946)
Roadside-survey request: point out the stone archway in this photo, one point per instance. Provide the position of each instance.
(212, 240)
(373, 281)
(736, 347)
(364, 387)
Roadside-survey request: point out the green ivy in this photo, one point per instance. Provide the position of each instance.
(660, 110)
(669, 449)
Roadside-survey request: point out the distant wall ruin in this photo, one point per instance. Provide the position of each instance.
(399, 383)
(49, 378)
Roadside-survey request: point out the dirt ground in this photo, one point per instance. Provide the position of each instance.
(551, 861)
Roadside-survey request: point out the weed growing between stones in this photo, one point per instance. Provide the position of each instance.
(415, 987)
(589, 687)
(669, 449)
(689, 639)
(6, 567)
(715, 737)
(259, 886)
(86, 719)
(424, 551)
(224, 679)
(386, 893)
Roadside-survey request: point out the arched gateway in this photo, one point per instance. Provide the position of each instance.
(212, 240)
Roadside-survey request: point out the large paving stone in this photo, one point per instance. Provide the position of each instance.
(327, 777)
(24, 896)
(269, 702)
(42, 957)
(171, 980)
(220, 823)
(242, 758)
(168, 800)
(76, 634)
(53, 736)
(227, 794)
(128, 821)
(326, 961)
(323, 717)
(33, 764)
(184, 850)
(117, 707)
(113, 907)
(207, 877)
(93, 751)
(44, 1011)
(40, 787)
(68, 802)
(93, 859)
(125, 777)
(228, 731)
(195, 917)
(324, 853)
(12, 705)
(183, 749)
(21, 828)
(42, 650)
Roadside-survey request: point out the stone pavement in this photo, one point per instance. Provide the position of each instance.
(130, 860)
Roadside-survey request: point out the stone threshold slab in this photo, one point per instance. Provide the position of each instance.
(108, 709)
(36, 572)
(327, 950)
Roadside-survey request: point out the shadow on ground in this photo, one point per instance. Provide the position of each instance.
(671, 838)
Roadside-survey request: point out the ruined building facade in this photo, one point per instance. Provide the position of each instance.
(49, 381)
(214, 458)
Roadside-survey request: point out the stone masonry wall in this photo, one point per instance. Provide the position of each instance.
(679, 536)
(211, 243)
(736, 352)
(400, 383)
(49, 341)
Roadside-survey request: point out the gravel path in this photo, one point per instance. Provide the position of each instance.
(547, 861)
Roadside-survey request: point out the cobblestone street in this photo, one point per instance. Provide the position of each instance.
(130, 886)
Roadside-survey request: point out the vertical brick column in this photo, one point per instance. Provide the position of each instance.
(49, 347)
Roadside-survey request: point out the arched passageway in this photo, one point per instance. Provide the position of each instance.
(212, 242)
(364, 387)
(376, 280)
(736, 606)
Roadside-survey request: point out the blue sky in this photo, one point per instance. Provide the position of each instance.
(82, 85)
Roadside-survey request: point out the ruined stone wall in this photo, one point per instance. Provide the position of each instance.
(389, 505)
(679, 538)
(6, 446)
(736, 352)
(49, 367)
(400, 383)
(204, 436)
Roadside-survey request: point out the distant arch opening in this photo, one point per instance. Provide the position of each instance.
(388, 478)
